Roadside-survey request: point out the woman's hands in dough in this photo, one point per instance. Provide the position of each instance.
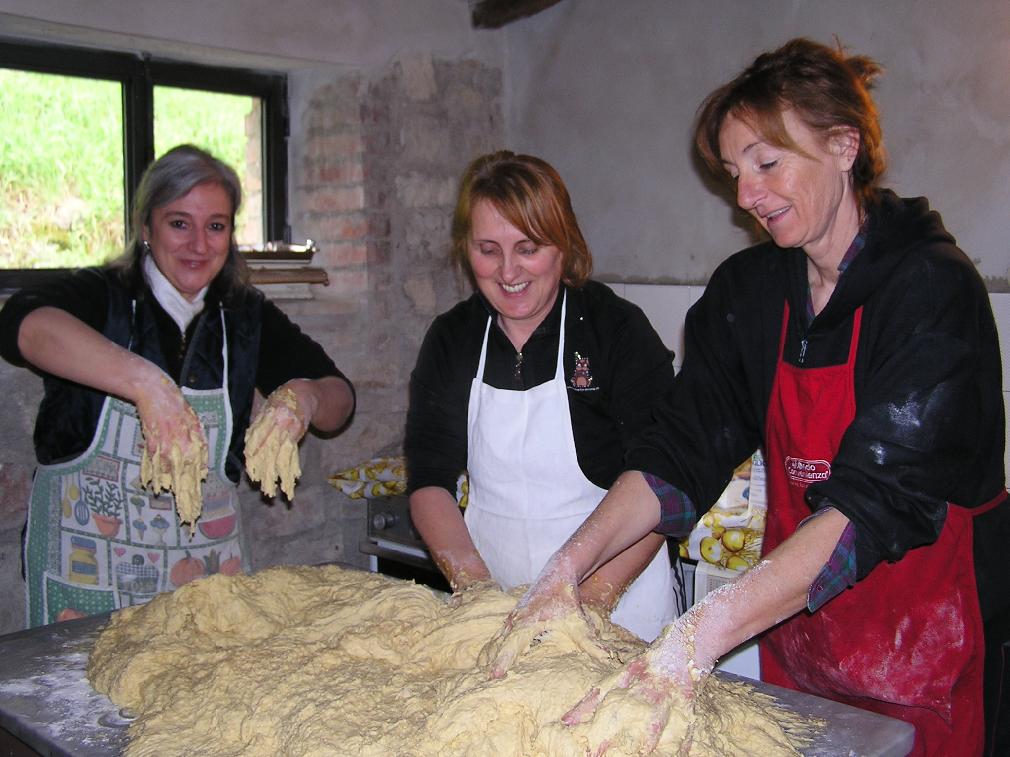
(536, 615)
(663, 676)
(175, 448)
(271, 442)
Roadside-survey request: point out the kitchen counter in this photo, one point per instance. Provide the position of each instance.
(46, 701)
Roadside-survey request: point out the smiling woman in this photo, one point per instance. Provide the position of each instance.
(519, 277)
(857, 348)
(534, 385)
(793, 193)
(190, 238)
(163, 351)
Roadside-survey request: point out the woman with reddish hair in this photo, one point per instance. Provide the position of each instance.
(857, 348)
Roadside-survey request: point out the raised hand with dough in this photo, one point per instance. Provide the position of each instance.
(271, 443)
(175, 448)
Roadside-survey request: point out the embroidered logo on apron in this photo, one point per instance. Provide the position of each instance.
(582, 377)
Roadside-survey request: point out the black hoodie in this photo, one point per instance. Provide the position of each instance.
(929, 425)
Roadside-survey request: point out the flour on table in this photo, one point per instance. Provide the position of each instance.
(331, 661)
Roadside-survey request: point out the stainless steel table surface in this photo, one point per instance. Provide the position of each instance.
(46, 701)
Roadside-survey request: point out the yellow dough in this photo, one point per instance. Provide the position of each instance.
(331, 661)
(180, 474)
(272, 456)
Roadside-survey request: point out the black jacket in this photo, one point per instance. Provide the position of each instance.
(628, 370)
(929, 425)
(264, 350)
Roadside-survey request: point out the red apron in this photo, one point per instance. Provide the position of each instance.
(907, 640)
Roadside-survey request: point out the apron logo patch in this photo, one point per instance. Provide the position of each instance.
(801, 472)
(581, 378)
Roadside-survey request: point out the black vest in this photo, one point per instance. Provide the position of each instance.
(68, 415)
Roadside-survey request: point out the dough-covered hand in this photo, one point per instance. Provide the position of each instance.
(662, 679)
(271, 441)
(175, 449)
(535, 615)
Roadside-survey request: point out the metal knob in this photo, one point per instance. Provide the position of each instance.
(382, 521)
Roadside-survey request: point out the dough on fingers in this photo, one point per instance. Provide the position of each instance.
(270, 452)
(178, 472)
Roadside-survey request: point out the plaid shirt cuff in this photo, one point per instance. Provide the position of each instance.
(838, 574)
(676, 510)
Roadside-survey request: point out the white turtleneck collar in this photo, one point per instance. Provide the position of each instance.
(182, 310)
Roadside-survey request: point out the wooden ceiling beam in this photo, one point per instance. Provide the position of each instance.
(494, 14)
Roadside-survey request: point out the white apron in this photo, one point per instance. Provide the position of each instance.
(97, 541)
(528, 493)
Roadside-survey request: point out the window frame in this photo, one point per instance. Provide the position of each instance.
(139, 73)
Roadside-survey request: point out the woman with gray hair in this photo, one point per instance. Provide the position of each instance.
(156, 355)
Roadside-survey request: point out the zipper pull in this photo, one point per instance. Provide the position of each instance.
(803, 351)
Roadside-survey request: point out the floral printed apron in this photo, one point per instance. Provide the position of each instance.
(97, 541)
(906, 641)
(528, 493)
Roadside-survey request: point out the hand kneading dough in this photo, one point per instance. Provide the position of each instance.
(273, 455)
(329, 661)
(180, 474)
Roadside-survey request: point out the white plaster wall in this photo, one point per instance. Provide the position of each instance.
(286, 34)
(607, 92)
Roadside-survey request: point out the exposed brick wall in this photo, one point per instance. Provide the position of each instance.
(374, 170)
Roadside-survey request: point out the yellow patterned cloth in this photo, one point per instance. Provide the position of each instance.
(729, 534)
(383, 477)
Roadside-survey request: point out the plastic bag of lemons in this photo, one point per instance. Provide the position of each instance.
(378, 477)
(383, 477)
(729, 534)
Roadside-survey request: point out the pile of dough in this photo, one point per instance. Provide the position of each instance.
(331, 661)
(180, 474)
(272, 454)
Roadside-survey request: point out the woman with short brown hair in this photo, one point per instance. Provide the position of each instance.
(535, 386)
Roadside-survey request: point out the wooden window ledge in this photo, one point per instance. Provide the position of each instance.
(284, 270)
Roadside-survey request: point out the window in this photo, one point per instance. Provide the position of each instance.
(78, 127)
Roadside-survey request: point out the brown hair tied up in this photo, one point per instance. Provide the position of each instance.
(823, 86)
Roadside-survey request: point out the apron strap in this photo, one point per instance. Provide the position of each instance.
(483, 351)
(560, 369)
(984, 508)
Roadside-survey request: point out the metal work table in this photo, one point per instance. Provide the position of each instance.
(46, 702)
